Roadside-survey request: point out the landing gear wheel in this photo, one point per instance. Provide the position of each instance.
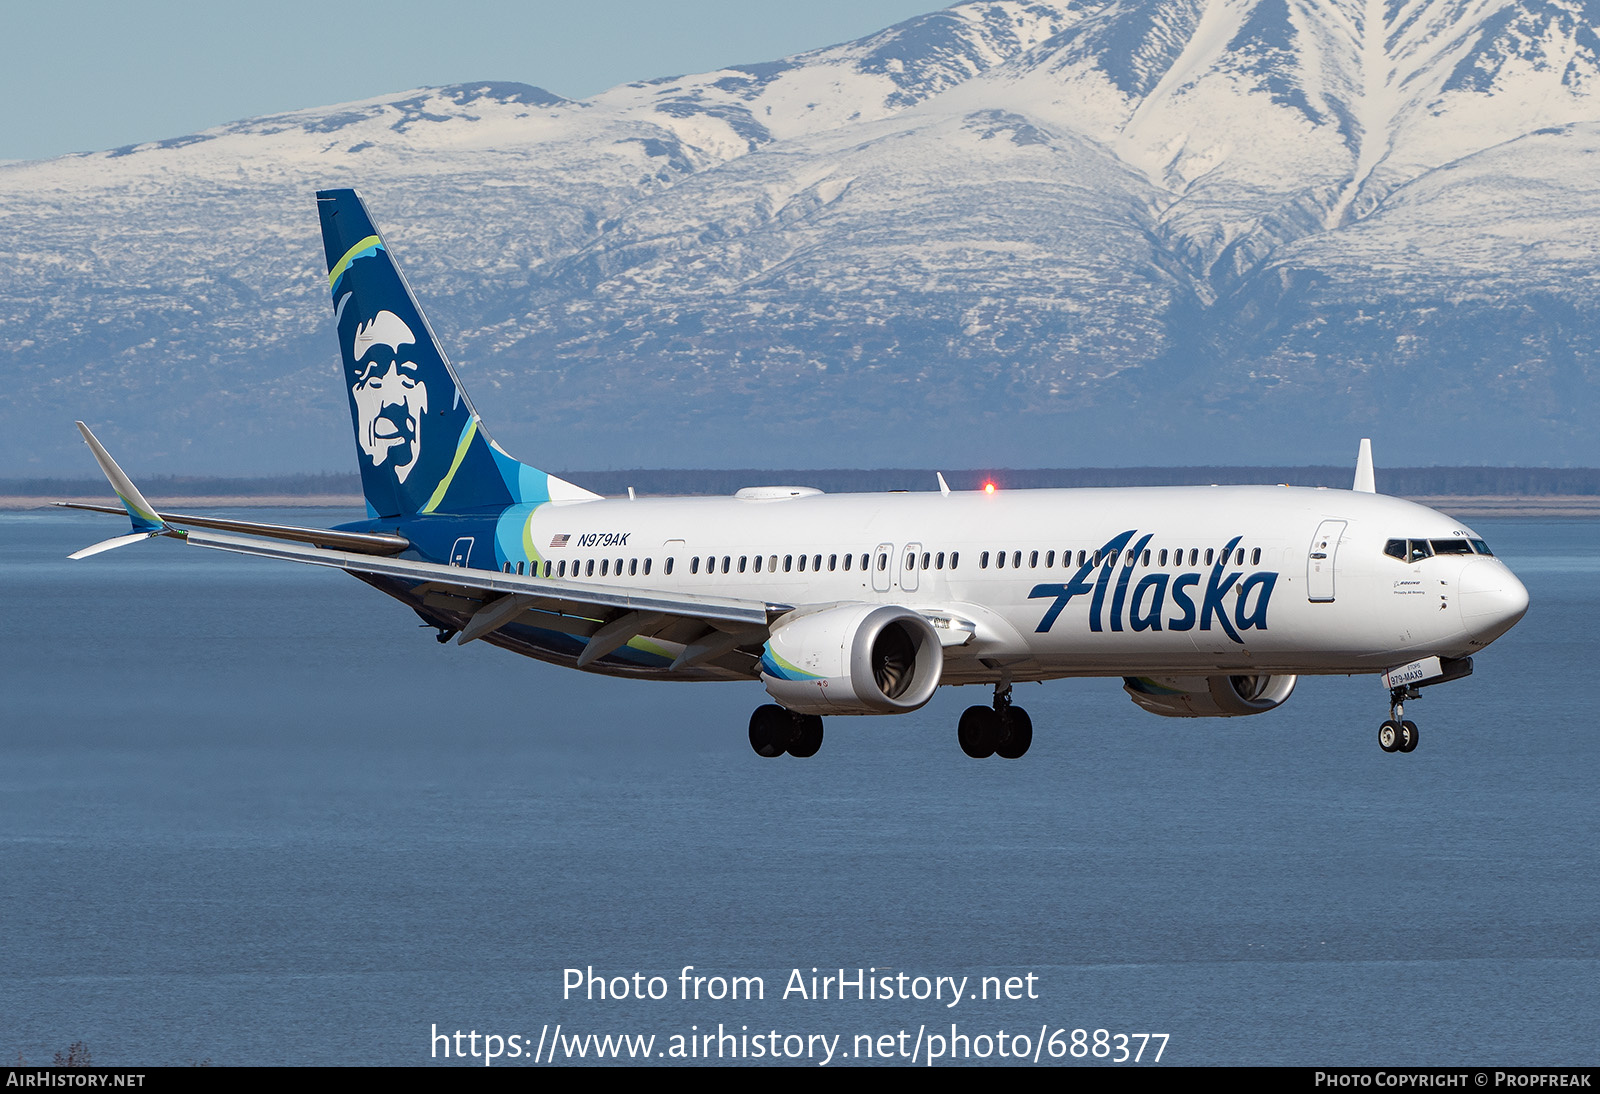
(770, 728)
(809, 736)
(1016, 734)
(1389, 736)
(1408, 737)
(978, 732)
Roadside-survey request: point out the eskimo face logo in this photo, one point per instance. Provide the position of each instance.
(391, 399)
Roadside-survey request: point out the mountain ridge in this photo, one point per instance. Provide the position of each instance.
(1015, 232)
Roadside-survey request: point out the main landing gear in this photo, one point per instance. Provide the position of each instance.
(1001, 730)
(1397, 734)
(774, 731)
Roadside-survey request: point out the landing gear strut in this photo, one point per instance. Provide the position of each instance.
(1397, 734)
(774, 731)
(1001, 730)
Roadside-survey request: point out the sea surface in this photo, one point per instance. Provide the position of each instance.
(252, 813)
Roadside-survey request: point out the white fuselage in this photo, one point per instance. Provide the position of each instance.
(1306, 586)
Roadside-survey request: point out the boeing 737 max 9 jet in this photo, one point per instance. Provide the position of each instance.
(1207, 602)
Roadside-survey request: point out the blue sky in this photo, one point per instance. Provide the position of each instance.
(82, 76)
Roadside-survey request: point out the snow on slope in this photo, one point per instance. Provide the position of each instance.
(1018, 222)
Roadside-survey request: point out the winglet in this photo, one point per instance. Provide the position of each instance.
(146, 522)
(1366, 482)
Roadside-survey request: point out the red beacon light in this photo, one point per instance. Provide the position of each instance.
(988, 487)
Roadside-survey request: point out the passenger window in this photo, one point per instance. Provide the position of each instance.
(561, 571)
(666, 568)
(744, 561)
(847, 562)
(1209, 555)
(883, 561)
(926, 558)
(646, 568)
(816, 562)
(1145, 560)
(757, 565)
(772, 563)
(911, 560)
(506, 568)
(547, 567)
(1016, 560)
(605, 566)
(863, 560)
(1255, 557)
(938, 561)
(833, 563)
(955, 557)
(694, 564)
(999, 560)
(788, 563)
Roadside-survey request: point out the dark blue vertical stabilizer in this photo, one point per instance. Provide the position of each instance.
(420, 443)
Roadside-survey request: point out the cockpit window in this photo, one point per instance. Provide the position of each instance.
(1482, 548)
(1418, 550)
(1395, 548)
(1451, 547)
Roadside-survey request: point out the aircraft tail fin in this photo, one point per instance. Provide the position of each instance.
(421, 444)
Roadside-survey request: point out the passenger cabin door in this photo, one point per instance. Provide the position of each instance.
(1320, 561)
(461, 553)
(909, 559)
(882, 559)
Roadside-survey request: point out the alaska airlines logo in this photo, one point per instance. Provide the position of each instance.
(391, 401)
(1146, 609)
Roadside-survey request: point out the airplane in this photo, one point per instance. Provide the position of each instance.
(1205, 601)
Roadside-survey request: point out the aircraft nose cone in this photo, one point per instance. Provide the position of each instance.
(1492, 599)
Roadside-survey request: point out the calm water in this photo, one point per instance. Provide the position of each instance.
(251, 812)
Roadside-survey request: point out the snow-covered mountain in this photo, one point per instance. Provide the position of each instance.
(1008, 232)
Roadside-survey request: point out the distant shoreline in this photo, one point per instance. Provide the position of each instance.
(1464, 506)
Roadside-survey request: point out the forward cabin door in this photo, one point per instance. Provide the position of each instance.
(909, 559)
(1320, 561)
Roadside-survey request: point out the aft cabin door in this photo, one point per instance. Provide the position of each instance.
(1319, 563)
(882, 560)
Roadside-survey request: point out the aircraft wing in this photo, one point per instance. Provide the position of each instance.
(709, 628)
(374, 543)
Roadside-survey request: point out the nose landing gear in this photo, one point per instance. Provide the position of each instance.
(1001, 730)
(1397, 734)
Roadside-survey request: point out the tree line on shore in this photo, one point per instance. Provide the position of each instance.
(1401, 481)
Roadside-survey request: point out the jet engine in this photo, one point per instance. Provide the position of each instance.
(1208, 696)
(853, 659)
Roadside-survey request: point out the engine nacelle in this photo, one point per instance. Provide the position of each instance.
(855, 659)
(1208, 696)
